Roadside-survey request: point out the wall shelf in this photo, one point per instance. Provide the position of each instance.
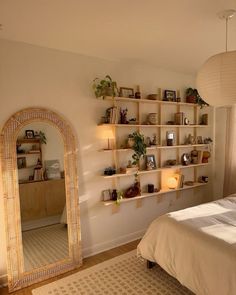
(142, 100)
(165, 110)
(161, 126)
(140, 172)
(158, 147)
(162, 191)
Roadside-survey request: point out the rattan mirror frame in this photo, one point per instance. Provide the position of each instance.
(17, 277)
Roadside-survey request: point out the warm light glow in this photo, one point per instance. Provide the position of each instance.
(107, 133)
(216, 80)
(172, 182)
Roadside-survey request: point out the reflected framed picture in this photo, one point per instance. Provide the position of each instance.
(126, 92)
(21, 162)
(150, 162)
(29, 134)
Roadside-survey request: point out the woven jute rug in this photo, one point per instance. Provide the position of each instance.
(122, 275)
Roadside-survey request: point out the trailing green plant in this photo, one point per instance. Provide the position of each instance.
(139, 147)
(105, 87)
(42, 137)
(192, 92)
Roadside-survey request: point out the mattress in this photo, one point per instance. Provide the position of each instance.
(197, 246)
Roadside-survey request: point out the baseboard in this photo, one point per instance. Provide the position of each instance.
(3, 281)
(98, 248)
(33, 224)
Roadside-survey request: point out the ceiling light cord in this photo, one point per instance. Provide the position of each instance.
(226, 38)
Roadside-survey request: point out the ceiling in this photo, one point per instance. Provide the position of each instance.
(173, 34)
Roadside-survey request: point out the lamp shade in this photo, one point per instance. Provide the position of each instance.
(172, 182)
(216, 80)
(107, 133)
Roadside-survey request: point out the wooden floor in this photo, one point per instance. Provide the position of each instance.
(87, 262)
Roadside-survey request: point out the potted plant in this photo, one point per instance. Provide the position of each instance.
(105, 87)
(139, 148)
(192, 96)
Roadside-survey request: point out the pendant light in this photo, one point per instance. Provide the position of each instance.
(216, 80)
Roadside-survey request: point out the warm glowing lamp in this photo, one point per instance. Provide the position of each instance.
(108, 134)
(172, 182)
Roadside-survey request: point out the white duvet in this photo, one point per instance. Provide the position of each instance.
(197, 246)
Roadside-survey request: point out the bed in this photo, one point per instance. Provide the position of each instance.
(197, 246)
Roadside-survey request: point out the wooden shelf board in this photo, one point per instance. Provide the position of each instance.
(28, 140)
(143, 100)
(155, 170)
(159, 147)
(26, 154)
(152, 126)
(162, 191)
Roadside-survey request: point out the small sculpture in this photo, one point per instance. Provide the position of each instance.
(133, 191)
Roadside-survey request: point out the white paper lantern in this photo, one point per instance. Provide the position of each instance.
(216, 80)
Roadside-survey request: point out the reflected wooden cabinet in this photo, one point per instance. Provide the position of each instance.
(42, 199)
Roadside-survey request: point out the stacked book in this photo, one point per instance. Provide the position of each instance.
(112, 115)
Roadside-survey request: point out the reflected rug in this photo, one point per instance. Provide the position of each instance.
(124, 274)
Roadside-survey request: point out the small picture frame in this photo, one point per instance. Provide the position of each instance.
(106, 195)
(126, 92)
(170, 95)
(170, 138)
(199, 140)
(150, 162)
(29, 134)
(21, 162)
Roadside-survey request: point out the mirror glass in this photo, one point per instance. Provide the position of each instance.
(40, 163)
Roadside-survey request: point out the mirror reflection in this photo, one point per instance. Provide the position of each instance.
(40, 162)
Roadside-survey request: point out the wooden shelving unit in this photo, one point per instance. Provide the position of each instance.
(159, 107)
(161, 192)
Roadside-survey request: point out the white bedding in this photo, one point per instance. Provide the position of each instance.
(197, 246)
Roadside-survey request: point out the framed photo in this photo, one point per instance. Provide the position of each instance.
(106, 195)
(170, 95)
(150, 162)
(170, 138)
(29, 134)
(21, 162)
(126, 92)
(53, 169)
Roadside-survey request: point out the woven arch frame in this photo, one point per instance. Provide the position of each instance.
(17, 277)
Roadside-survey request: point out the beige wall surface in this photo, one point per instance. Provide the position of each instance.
(33, 76)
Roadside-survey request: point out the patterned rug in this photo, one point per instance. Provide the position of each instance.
(122, 275)
(45, 245)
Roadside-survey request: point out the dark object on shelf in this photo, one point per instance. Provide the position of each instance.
(150, 188)
(114, 195)
(138, 93)
(133, 191)
(29, 134)
(109, 171)
(178, 99)
(189, 183)
(21, 162)
(204, 120)
(170, 138)
(208, 140)
(153, 97)
(203, 179)
(171, 162)
(123, 116)
(179, 118)
(186, 159)
(192, 96)
(169, 95)
(150, 162)
(170, 123)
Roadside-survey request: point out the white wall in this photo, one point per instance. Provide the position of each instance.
(35, 76)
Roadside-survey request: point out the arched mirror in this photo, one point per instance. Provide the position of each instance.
(40, 186)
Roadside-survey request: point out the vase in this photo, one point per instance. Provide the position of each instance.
(152, 118)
